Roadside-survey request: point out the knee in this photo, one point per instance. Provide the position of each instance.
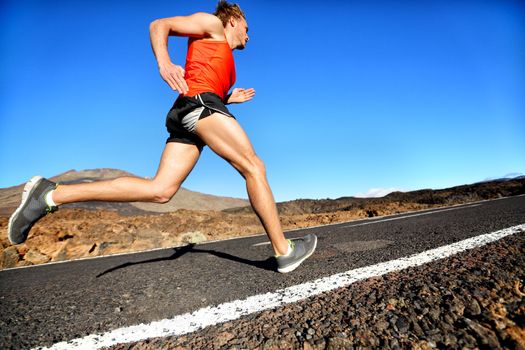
(253, 166)
(163, 194)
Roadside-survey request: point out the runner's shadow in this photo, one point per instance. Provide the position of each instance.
(268, 264)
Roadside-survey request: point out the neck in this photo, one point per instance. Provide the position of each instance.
(229, 38)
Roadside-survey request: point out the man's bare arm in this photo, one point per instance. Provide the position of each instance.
(200, 25)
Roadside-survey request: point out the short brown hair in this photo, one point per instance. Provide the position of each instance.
(226, 10)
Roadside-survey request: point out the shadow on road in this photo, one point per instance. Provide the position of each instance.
(268, 264)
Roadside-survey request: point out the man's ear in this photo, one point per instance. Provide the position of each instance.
(232, 21)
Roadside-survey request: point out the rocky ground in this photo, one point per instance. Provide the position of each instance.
(473, 300)
(98, 228)
(73, 233)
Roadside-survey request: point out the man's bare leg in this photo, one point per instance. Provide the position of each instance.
(226, 138)
(178, 159)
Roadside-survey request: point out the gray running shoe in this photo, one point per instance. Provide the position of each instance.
(302, 248)
(32, 208)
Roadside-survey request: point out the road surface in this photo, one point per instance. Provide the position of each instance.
(48, 304)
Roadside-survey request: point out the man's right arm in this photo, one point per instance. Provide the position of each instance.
(199, 25)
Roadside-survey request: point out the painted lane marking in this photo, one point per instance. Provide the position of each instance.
(388, 219)
(208, 316)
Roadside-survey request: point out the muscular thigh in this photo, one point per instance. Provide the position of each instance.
(177, 161)
(227, 138)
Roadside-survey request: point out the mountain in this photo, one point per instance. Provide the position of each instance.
(184, 199)
(73, 233)
(511, 176)
(426, 197)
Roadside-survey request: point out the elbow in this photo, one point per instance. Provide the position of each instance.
(154, 25)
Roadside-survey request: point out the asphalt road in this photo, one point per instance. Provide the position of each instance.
(47, 304)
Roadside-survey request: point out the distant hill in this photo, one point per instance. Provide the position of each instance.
(184, 199)
(513, 176)
(73, 233)
(449, 196)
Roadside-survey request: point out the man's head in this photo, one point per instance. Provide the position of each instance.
(234, 21)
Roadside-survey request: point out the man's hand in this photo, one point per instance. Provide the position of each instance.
(239, 95)
(174, 76)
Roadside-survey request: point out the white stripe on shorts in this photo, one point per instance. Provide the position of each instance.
(189, 121)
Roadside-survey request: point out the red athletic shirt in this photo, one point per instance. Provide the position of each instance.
(209, 67)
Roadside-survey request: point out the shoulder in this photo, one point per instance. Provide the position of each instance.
(211, 24)
(198, 25)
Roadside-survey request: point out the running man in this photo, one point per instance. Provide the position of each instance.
(198, 118)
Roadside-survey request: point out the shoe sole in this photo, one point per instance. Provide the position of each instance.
(28, 189)
(296, 265)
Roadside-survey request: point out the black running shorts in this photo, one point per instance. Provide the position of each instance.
(186, 111)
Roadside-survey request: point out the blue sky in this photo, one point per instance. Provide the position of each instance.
(351, 96)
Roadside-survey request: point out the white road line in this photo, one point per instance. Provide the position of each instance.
(191, 322)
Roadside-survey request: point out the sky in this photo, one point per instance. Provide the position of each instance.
(352, 97)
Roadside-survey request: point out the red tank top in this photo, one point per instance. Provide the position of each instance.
(209, 67)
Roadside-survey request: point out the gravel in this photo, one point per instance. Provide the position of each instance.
(471, 300)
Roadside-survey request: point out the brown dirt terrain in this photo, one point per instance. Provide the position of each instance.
(73, 233)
